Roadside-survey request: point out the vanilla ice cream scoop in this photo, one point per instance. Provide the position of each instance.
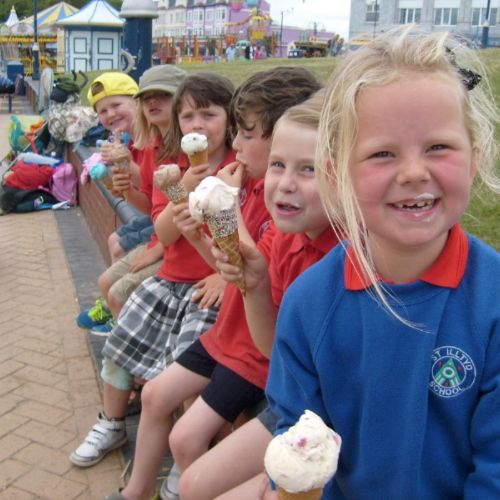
(211, 197)
(215, 203)
(305, 457)
(194, 143)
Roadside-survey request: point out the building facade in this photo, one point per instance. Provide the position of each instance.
(230, 20)
(463, 17)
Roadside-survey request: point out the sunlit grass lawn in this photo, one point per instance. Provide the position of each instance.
(482, 217)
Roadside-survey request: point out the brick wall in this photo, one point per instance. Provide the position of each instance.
(99, 215)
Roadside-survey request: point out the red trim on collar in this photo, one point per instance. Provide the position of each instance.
(446, 271)
(324, 242)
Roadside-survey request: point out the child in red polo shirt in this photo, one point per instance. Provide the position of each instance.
(225, 392)
(303, 235)
(168, 311)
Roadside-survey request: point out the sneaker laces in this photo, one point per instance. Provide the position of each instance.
(99, 312)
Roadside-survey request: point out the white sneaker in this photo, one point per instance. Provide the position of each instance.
(170, 486)
(105, 436)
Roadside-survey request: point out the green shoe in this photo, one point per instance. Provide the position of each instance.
(96, 315)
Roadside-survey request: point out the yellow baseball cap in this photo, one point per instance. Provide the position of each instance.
(109, 84)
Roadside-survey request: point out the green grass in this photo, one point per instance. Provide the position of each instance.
(483, 215)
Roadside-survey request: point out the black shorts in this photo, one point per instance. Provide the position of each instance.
(227, 394)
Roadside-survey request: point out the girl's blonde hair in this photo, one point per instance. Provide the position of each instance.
(398, 54)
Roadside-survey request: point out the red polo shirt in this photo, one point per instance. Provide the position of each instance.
(446, 271)
(181, 262)
(229, 340)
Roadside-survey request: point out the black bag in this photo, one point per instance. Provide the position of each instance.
(21, 201)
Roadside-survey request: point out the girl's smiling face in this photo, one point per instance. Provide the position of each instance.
(116, 113)
(291, 190)
(210, 121)
(412, 164)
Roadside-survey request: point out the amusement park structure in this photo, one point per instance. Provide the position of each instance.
(192, 30)
(17, 37)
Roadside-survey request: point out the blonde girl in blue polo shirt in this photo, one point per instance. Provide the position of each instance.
(403, 359)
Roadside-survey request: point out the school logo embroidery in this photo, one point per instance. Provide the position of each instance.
(452, 372)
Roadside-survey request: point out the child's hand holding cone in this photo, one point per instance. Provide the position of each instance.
(214, 203)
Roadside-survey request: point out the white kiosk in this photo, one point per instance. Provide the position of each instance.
(93, 38)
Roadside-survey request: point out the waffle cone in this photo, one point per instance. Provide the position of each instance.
(177, 193)
(224, 229)
(124, 166)
(230, 245)
(198, 158)
(301, 495)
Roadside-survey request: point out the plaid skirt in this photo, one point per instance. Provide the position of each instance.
(156, 324)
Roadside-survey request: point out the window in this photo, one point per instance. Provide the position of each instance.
(408, 16)
(189, 16)
(445, 17)
(479, 15)
(210, 15)
(372, 11)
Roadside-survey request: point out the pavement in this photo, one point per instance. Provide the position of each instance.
(49, 389)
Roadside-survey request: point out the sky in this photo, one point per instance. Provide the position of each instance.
(332, 15)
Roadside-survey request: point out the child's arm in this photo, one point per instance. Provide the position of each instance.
(482, 482)
(260, 311)
(165, 227)
(193, 231)
(129, 182)
(148, 257)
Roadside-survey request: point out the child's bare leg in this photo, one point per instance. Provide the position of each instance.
(115, 249)
(237, 458)
(160, 397)
(114, 304)
(104, 283)
(115, 401)
(193, 433)
(249, 490)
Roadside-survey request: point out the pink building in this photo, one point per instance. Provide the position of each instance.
(240, 19)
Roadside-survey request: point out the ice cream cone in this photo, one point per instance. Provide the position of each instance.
(196, 147)
(301, 495)
(177, 193)
(198, 158)
(303, 459)
(120, 157)
(168, 179)
(224, 229)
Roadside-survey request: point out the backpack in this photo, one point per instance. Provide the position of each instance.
(64, 183)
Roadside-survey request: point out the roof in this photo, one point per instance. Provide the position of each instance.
(51, 15)
(12, 19)
(94, 13)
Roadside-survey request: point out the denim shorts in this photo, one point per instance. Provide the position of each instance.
(136, 231)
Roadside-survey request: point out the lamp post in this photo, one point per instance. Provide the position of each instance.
(281, 35)
(138, 32)
(375, 18)
(35, 48)
(486, 27)
(282, 12)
